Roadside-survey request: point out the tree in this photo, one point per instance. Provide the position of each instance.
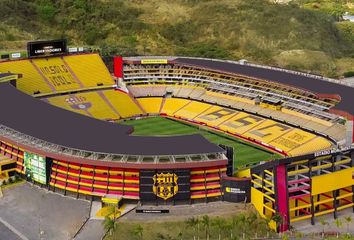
(338, 223)
(323, 223)
(109, 225)
(206, 224)
(193, 222)
(138, 231)
(46, 10)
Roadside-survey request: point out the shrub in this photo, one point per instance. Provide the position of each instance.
(17, 178)
(349, 74)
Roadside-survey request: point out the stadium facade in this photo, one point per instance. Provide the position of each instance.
(52, 133)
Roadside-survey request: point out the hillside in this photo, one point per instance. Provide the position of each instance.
(290, 35)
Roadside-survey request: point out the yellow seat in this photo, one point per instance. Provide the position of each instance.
(173, 104)
(292, 140)
(92, 104)
(192, 109)
(31, 81)
(151, 104)
(267, 131)
(89, 69)
(216, 115)
(57, 74)
(123, 103)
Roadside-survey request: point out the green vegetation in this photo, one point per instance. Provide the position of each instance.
(334, 8)
(244, 153)
(11, 182)
(247, 224)
(258, 30)
(244, 224)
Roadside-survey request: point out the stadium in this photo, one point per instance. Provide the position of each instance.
(178, 130)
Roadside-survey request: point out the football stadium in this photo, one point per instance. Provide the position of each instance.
(178, 130)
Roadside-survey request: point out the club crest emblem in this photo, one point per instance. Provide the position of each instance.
(165, 185)
(78, 103)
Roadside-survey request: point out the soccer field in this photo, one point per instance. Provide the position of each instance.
(244, 152)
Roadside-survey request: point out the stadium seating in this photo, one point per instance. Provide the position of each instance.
(254, 128)
(216, 115)
(90, 69)
(31, 82)
(172, 105)
(335, 130)
(123, 103)
(226, 98)
(145, 91)
(193, 109)
(267, 131)
(314, 145)
(56, 74)
(151, 105)
(246, 89)
(297, 138)
(241, 123)
(105, 105)
(92, 104)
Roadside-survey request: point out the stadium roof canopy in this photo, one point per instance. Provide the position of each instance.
(300, 81)
(38, 119)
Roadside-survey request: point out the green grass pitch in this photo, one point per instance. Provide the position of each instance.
(244, 152)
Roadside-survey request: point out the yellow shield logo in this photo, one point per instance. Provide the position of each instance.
(165, 185)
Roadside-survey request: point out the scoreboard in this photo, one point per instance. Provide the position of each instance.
(46, 48)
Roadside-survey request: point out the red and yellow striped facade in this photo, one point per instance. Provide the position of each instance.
(97, 180)
(13, 154)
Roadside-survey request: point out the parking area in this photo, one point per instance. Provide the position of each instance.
(7, 233)
(39, 214)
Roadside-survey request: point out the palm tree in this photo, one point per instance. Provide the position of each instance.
(206, 224)
(338, 223)
(252, 218)
(138, 231)
(242, 223)
(193, 222)
(277, 218)
(348, 220)
(219, 223)
(180, 235)
(323, 223)
(232, 226)
(109, 225)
